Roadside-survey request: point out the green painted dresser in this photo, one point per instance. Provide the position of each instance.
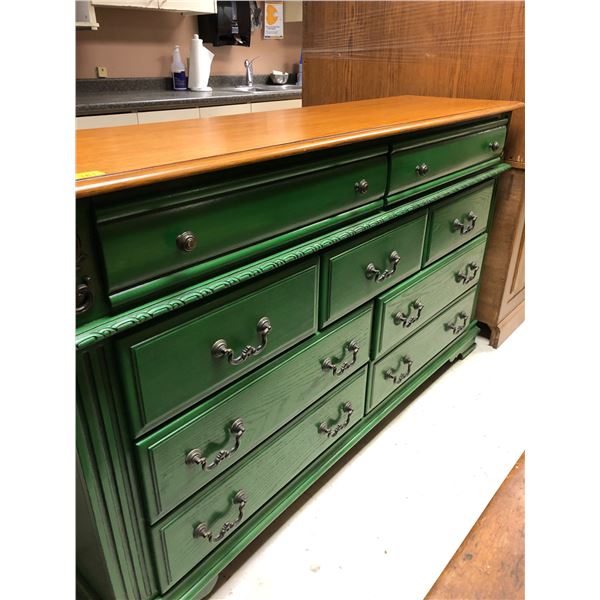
(253, 295)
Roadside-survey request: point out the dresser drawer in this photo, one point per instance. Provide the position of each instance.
(358, 270)
(180, 542)
(188, 453)
(407, 307)
(417, 161)
(398, 366)
(168, 367)
(162, 232)
(458, 220)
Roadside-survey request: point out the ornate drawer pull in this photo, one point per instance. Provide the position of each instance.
(470, 273)
(220, 348)
(457, 326)
(194, 457)
(333, 431)
(202, 531)
(494, 146)
(409, 318)
(84, 297)
(399, 378)
(362, 186)
(338, 369)
(372, 272)
(465, 227)
(422, 169)
(186, 241)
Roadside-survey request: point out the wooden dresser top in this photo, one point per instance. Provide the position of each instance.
(117, 158)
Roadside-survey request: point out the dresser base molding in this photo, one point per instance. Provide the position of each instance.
(201, 581)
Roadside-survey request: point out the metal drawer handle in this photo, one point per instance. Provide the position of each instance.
(362, 186)
(409, 318)
(470, 273)
(465, 227)
(202, 531)
(372, 272)
(422, 169)
(194, 457)
(220, 348)
(186, 241)
(338, 369)
(398, 375)
(457, 326)
(494, 146)
(333, 431)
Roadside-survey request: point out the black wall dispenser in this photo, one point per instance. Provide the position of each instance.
(231, 26)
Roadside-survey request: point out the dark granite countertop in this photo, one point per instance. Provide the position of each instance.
(105, 96)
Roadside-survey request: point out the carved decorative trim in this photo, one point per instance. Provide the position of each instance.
(104, 328)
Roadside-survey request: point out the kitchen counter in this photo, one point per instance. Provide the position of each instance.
(121, 157)
(96, 97)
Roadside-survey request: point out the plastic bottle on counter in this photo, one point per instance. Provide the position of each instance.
(178, 71)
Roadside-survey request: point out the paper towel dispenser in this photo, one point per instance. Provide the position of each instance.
(230, 26)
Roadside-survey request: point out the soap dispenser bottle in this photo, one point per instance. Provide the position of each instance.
(178, 71)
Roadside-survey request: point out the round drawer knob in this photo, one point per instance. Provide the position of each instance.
(494, 146)
(422, 169)
(362, 186)
(186, 241)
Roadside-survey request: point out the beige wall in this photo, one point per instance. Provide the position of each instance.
(139, 43)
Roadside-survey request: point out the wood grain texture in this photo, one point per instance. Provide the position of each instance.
(470, 49)
(433, 287)
(265, 402)
(504, 328)
(503, 281)
(490, 563)
(102, 328)
(142, 154)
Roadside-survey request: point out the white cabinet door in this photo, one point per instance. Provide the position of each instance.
(277, 105)
(219, 111)
(191, 6)
(128, 3)
(160, 116)
(97, 121)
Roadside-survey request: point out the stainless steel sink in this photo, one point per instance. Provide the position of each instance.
(275, 88)
(257, 89)
(243, 88)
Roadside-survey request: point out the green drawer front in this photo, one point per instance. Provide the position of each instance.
(442, 157)
(406, 308)
(169, 367)
(139, 246)
(398, 366)
(264, 401)
(260, 475)
(458, 220)
(345, 279)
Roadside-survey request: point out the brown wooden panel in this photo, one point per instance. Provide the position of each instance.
(503, 277)
(490, 563)
(471, 49)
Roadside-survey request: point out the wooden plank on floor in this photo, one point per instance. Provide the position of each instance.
(490, 563)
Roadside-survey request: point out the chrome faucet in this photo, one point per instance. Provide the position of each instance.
(250, 71)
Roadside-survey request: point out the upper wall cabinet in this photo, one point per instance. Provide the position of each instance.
(187, 6)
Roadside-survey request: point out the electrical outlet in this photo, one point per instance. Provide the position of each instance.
(102, 72)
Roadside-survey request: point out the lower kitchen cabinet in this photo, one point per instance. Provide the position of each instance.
(180, 114)
(208, 403)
